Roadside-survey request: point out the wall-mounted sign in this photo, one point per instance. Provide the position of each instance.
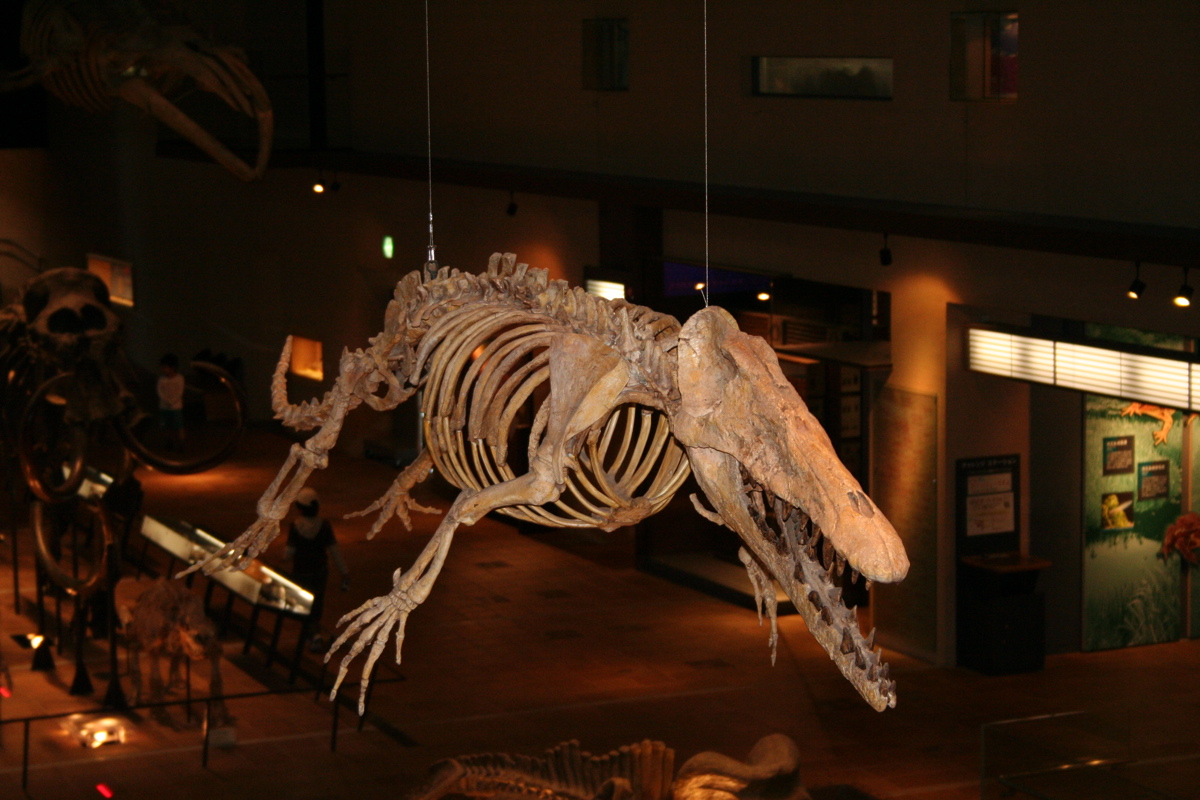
(988, 503)
(1154, 480)
(1118, 455)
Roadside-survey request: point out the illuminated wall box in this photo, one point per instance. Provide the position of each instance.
(307, 359)
(1168, 382)
(117, 276)
(609, 290)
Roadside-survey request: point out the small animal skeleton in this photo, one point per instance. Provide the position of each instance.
(169, 621)
(641, 771)
(629, 402)
(88, 52)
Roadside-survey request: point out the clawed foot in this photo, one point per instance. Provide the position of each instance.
(373, 622)
(238, 553)
(392, 504)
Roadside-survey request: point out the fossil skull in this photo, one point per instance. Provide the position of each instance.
(771, 473)
(69, 317)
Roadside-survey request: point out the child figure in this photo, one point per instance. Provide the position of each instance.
(170, 401)
(310, 545)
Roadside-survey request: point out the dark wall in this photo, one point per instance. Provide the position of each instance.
(22, 112)
(1056, 529)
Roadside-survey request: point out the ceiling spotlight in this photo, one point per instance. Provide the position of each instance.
(389, 247)
(1183, 298)
(700, 287)
(1138, 287)
(322, 186)
(512, 205)
(764, 296)
(885, 254)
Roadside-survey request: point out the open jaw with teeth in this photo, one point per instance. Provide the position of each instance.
(790, 547)
(824, 604)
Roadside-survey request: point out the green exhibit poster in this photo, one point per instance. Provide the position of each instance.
(1133, 483)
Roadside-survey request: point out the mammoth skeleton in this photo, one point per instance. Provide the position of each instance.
(89, 52)
(630, 404)
(67, 385)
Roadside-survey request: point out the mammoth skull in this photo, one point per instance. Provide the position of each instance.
(69, 317)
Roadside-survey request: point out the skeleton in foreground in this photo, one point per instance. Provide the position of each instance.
(641, 771)
(634, 403)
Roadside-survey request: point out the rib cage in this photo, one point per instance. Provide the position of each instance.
(51, 36)
(487, 364)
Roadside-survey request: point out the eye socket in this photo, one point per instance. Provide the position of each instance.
(94, 318)
(65, 320)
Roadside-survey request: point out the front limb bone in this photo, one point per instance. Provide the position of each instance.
(398, 501)
(301, 461)
(373, 620)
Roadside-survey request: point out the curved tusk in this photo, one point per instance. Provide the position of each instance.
(146, 97)
(27, 445)
(173, 466)
(306, 416)
(82, 587)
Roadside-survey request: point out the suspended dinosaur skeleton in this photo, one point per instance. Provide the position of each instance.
(628, 403)
(88, 52)
(641, 771)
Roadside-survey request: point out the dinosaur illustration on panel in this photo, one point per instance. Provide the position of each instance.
(89, 52)
(641, 771)
(628, 404)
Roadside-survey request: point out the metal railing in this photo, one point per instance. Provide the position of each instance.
(342, 699)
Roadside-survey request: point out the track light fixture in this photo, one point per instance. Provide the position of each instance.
(1138, 287)
(885, 254)
(1183, 298)
(512, 205)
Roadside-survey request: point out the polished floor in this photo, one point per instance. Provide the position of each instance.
(524, 643)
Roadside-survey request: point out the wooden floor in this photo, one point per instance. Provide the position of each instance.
(524, 644)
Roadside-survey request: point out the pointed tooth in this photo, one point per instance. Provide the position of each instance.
(873, 672)
(758, 503)
(885, 672)
(854, 575)
(870, 583)
(870, 640)
(787, 511)
(826, 615)
(854, 614)
(828, 552)
(841, 563)
(814, 598)
(860, 660)
(847, 645)
(835, 596)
